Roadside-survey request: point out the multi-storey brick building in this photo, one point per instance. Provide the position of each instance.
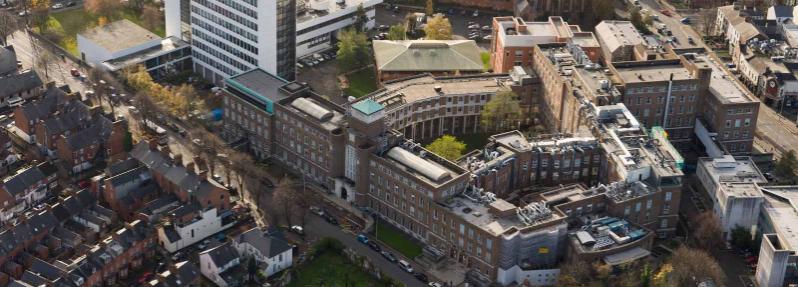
(454, 207)
(515, 40)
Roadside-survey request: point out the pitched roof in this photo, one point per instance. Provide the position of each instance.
(8, 60)
(222, 254)
(45, 105)
(15, 83)
(178, 175)
(267, 245)
(17, 184)
(427, 55)
(779, 11)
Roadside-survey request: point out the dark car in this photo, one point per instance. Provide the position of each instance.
(421, 277)
(388, 256)
(373, 245)
(71, 3)
(330, 219)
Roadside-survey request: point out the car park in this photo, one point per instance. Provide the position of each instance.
(388, 256)
(405, 266)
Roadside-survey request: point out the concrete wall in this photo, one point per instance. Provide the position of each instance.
(208, 225)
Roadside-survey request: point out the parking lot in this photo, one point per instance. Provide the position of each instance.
(460, 24)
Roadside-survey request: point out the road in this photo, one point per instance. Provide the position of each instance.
(316, 227)
(57, 68)
(681, 32)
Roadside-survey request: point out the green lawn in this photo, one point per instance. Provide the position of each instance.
(361, 83)
(397, 240)
(331, 269)
(485, 60)
(64, 26)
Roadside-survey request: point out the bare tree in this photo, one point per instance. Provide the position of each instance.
(707, 232)
(8, 24)
(692, 266)
(151, 16)
(574, 273)
(708, 17)
(284, 198)
(43, 61)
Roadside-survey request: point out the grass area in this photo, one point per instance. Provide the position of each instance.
(397, 240)
(64, 26)
(485, 60)
(361, 83)
(331, 269)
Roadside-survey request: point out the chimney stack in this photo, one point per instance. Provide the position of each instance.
(203, 175)
(190, 167)
(178, 158)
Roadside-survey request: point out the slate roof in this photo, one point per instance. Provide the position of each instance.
(15, 83)
(8, 60)
(33, 279)
(45, 270)
(184, 273)
(16, 184)
(267, 245)
(97, 133)
(427, 55)
(122, 166)
(176, 174)
(222, 254)
(45, 105)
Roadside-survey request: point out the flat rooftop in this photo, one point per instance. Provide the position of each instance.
(732, 169)
(616, 34)
(480, 215)
(167, 45)
(781, 206)
(119, 35)
(308, 10)
(399, 93)
(259, 85)
(605, 233)
(722, 85)
(741, 189)
(653, 73)
(515, 32)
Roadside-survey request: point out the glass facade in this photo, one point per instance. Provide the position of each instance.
(286, 39)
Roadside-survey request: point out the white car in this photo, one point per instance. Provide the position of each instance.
(405, 266)
(435, 284)
(58, 6)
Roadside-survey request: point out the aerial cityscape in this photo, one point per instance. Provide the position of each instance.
(382, 143)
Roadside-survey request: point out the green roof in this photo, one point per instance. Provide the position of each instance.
(368, 107)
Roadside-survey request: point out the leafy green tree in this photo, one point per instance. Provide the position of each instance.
(430, 9)
(438, 28)
(502, 112)
(397, 32)
(361, 19)
(786, 165)
(40, 10)
(741, 237)
(448, 147)
(352, 50)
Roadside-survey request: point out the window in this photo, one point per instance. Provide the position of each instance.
(747, 122)
(663, 223)
(668, 196)
(728, 123)
(649, 203)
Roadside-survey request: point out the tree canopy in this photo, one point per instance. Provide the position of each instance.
(397, 32)
(447, 146)
(361, 19)
(693, 266)
(353, 50)
(502, 112)
(438, 28)
(786, 165)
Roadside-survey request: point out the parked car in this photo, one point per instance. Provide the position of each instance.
(421, 277)
(71, 3)
(362, 238)
(473, 26)
(474, 37)
(388, 256)
(383, 28)
(690, 40)
(435, 284)
(666, 12)
(74, 72)
(58, 6)
(486, 28)
(488, 37)
(331, 220)
(316, 210)
(685, 20)
(405, 266)
(374, 246)
(298, 230)
(476, 13)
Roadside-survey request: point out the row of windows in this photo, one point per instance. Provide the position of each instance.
(216, 42)
(662, 89)
(224, 23)
(736, 135)
(221, 56)
(227, 36)
(226, 13)
(350, 17)
(242, 8)
(660, 99)
(213, 63)
(746, 122)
